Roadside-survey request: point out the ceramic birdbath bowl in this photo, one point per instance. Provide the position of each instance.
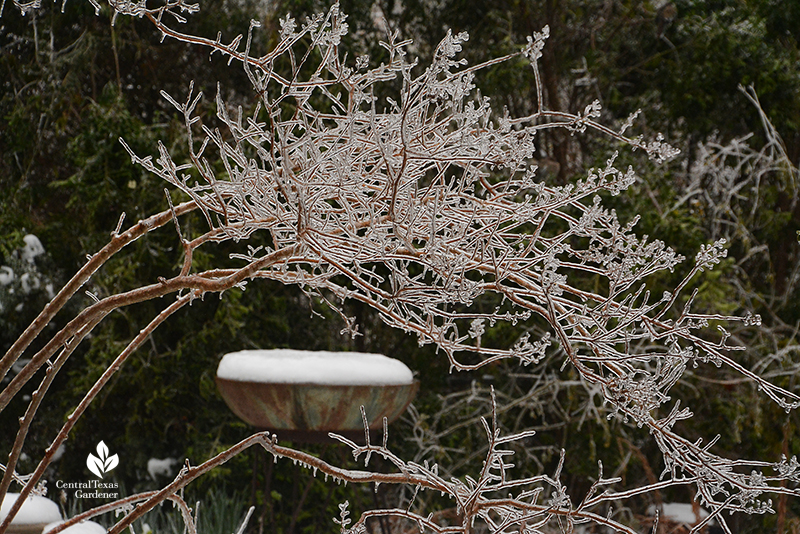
(304, 395)
(34, 514)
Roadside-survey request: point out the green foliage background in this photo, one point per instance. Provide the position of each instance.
(73, 84)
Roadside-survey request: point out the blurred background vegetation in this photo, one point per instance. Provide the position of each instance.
(72, 84)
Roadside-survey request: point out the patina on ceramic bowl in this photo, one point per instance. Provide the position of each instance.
(310, 411)
(274, 395)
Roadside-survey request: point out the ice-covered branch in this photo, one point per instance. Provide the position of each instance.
(399, 186)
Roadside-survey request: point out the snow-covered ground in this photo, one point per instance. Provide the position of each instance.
(313, 367)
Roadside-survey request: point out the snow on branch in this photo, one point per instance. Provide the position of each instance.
(420, 202)
(397, 185)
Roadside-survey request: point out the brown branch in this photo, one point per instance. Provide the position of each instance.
(82, 406)
(81, 326)
(27, 419)
(141, 294)
(118, 241)
(112, 506)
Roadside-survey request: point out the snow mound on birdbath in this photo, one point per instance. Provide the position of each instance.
(84, 527)
(35, 510)
(283, 366)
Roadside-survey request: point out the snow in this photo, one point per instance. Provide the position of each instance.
(165, 467)
(33, 247)
(59, 453)
(84, 527)
(678, 512)
(29, 283)
(313, 367)
(34, 511)
(6, 275)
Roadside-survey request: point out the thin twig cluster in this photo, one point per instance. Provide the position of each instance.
(399, 186)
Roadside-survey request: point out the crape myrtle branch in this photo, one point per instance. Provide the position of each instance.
(125, 505)
(88, 398)
(269, 443)
(205, 282)
(26, 420)
(193, 286)
(64, 343)
(420, 202)
(489, 497)
(475, 499)
(118, 241)
(435, 241)
(461, 409)
(727, 183)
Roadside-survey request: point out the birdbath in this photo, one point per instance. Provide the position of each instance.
(34, 514)
(304, 395)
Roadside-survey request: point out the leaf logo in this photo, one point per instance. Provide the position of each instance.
(102, 463)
